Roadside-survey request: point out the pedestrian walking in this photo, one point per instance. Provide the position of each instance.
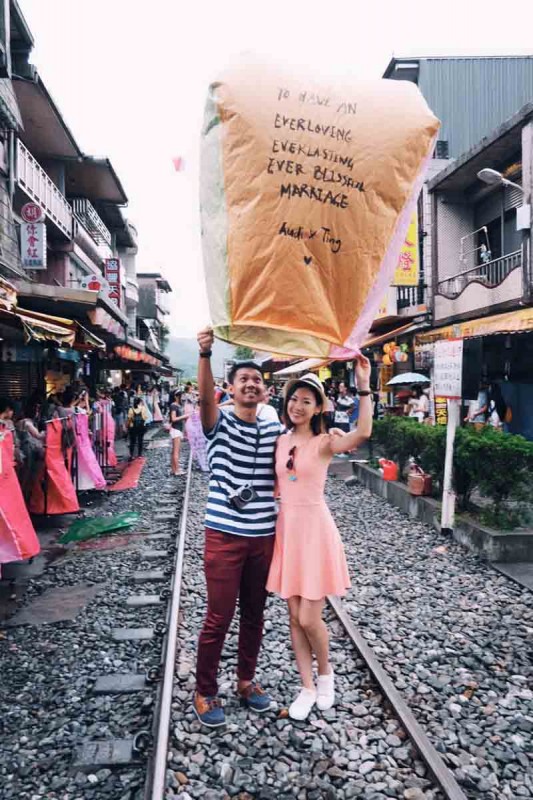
(176, 417)
(309, 561)
(240, 525)
(137, 421)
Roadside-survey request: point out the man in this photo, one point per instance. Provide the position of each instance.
(344, 406)
(239, 530)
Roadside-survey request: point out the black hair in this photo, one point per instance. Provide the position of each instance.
(250, 364)
(6, 404)
(176, 395)
(318, 424)
(137, 402)
(67, 396)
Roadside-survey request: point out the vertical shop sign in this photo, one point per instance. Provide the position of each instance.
(406, 273)
(112, 274)
(33, 245)
(441, 411)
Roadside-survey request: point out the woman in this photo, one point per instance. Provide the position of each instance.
(32, 447)
(89, 475)
(309, 561)
(137, 421)
(176, 432)
(419, 404)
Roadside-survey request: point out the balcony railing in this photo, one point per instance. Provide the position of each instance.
(87, 214)
(408, 296)
(34, 181)
(490, 275)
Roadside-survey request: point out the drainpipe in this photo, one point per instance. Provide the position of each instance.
(527, 184)
(12, 165)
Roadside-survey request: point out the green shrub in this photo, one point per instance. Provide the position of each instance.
(499, 465)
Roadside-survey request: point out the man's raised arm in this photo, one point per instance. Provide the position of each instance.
(208, 408)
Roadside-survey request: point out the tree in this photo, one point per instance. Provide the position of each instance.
(243, 353)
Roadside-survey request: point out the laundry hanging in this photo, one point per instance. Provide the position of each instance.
(307, 191)
(18, 539)
(54, 492)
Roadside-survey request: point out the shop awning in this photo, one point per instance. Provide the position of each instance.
(45, 328)
(8, 295)
(302, 366)
(390, 335)
(519, 321)
(87, 340)
(132, 354)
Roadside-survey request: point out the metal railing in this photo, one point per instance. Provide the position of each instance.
(490, 275)
(408, 296)
(34, 181)
(88, 215)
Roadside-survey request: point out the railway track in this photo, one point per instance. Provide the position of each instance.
(303, 760)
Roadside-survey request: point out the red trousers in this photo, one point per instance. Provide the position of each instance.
(235, 567)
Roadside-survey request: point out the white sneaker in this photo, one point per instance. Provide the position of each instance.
(303, 704)
(325, 691)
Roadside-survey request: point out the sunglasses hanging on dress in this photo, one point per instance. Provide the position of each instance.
(290, 464)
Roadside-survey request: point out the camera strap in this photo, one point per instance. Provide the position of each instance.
(256, 451)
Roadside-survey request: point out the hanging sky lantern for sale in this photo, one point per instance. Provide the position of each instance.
(307, 191)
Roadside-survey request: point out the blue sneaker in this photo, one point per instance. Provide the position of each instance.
(208, 711)
(255, 698)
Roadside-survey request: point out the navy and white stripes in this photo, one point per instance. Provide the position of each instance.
(231, 451)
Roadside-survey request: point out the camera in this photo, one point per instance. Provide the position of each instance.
(242, 496)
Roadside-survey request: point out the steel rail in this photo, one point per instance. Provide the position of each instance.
(442, 775)
(156, 781)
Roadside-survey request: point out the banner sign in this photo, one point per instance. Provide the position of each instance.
(33, 245)
(406, 273)
(448, 369)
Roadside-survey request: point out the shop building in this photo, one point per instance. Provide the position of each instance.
(482, 282)
(72, 265)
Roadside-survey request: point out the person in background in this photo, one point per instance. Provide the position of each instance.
(68, 400)
(176, 417)
(32, 443)
(120, 399)
(419, 404)
(329, 408)
(477, 410)
(165, 398)
(354, 415)
(7, 411)
(343, 408)
(137, 421)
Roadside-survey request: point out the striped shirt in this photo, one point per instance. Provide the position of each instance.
(231, 449)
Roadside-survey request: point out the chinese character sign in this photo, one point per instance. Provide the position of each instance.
(448, 369)
(113, 277)
(406, 273)
(33, 245)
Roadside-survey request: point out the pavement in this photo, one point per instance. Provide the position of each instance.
(522, 573)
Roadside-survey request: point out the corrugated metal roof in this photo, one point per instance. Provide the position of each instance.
(473, 96)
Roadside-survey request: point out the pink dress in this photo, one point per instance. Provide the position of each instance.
(89, 472)
(308, 558)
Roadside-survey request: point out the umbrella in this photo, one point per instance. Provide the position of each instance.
(408, 378)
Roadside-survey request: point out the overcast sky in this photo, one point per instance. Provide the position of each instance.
(130, 78)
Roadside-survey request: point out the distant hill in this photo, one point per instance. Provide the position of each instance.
(183, 353)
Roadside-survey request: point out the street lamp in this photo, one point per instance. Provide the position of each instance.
(492, 178)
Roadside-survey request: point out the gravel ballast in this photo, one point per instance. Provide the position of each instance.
(451, 632)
